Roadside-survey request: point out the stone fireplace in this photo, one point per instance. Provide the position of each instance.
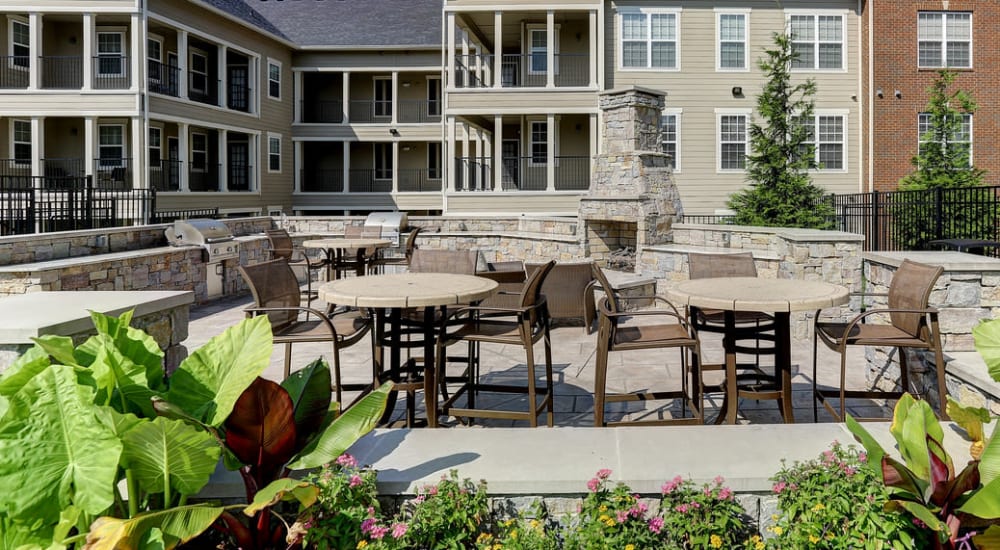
(632, 201)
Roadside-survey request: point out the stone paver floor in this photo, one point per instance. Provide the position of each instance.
(573, 369)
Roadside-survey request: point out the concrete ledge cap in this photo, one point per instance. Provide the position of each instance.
(951, 260)
(690, 248)
(790, 233)
(633, 88)
(970, 367)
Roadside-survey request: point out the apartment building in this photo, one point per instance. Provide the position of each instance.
(429, 106)
(909, 42)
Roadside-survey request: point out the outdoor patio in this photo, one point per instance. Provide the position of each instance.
(573, 369)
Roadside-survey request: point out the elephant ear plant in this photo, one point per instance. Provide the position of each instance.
(924, 484)
(77, 423)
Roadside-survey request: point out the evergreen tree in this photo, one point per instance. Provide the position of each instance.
(781, 192)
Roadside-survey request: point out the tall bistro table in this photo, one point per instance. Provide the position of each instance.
(335, 248)
(388, 295)
(777, 296)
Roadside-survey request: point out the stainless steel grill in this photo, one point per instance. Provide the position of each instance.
(392, 224)
(213, 236)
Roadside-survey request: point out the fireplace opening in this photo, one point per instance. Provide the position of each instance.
(612, 243)
(622, 259)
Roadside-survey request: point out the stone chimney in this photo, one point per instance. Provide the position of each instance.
(632, 201)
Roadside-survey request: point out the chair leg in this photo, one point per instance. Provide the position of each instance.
(904, 372)
(529, 355)
(549, 389)
(600, 381)
(814, 381)
(843, 383)
(939, 366)
(338, 392)
(288, 359)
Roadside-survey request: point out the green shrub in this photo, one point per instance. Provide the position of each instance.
(705, 517)
(346, 498)
(612, 517)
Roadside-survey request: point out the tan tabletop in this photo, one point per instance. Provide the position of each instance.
(756, 294)
(777, 296)
(345, 244)
(407, 290)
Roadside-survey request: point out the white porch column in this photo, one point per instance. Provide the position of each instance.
(138, 53)
(395, 166)
(465, 59)
(550, 49)
(449, 154)
(497, 49)
(223, 90)
(184, 157)
(592, 62)
(89, 35)
(394, 106)
(297, 108)
(476, 52)
(550, 152)
(254, 161)
(450, 50)
(182, 68)
(223, 161)
(297, 166)
(347, 166)
(485, 146)
(35, 52)
(89, 144)
(497, 153)
(465, 156)
(37, 145)
(347, 100)
(594, 149)
(138, 158)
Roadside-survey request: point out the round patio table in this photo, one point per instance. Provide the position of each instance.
(777, 296)
(335, 248)
(388, 295)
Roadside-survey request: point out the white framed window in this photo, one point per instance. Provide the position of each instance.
(434, 160)
(539, 145)
(383, 161)
(828, 136)
(199, 152)
(155, 146)
(961, 139)
(944, 39)
(670, 136)
(154, 58)
(538, 48)
(20, 142)
(649, 38)
(732, 140)
(732, 29)
(434, 96)
(273, 79)
(20, 44)
(273, 153)
(111, 53)
(199, 72)
(818, 41)
(110, 144)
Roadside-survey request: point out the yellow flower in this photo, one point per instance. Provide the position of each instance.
(362, 543)
(610, 522)
(758, 543)
(484, 537)
(774, 517)
(819, 506)
(813, 539)
(715, 541)
(535, 524)
(777, 530)
(629, 547)
(513, 534)
(603, 508)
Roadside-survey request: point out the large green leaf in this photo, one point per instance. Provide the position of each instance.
(285, 488)
(23, 369)
(139, 347)
(54, 451)
(309, 389)
(984, 503)
(208, 383)
(122, 380)
(990, 540)
(344, 431)
(989, 461)
(172, 452)
(59, 347)
(987, 337)
(261, 429)
(17, 535)
(912, 423)
(178, 525)
(874, 450)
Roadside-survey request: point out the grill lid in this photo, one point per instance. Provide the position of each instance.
(198, 232)
(389, 221)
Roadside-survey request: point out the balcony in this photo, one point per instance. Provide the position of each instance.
(322, 180)
(163, 79)
(572, 173)
(239, 176)
(418, 180)
(111, 73)
(205, 178)
(239, 97)
(15, 174)
(370, 180)
(522, 71)
(62, 72)
(203, 89)
(165, 175)
(473, 173)
(417, 111)
(113, 173)
(14, 72)
(370, 111)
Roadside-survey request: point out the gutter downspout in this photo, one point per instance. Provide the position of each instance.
(871, 96)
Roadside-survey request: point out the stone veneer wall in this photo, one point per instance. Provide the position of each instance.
(829, 256)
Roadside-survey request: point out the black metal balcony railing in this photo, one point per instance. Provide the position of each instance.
(326, 111)
(419, 111)
(418, 180)
(164, 79)
(165, 175)
(61, 71)
(203, 89)
(238, 176)
(59, 171)
(572, 173)
(15, 174)
(370, 111)
(473, 174)
(522, 71)
(239, 97)
(113, 173)
(111, 72)
(14, 71)
(370, 181)
(204, 178)
(322, 180)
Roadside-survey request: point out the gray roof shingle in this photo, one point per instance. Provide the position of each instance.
(242, 10)
(355, 23)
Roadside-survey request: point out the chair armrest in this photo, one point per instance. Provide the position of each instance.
(252, 310)
(859, 318)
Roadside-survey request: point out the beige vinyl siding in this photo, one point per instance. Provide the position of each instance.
(513, 203)
(367, 60)
(514, 101)
(77, 6)
(534, 4)
(67, 103)
(698, 90)
(419, 201)
(344, 201)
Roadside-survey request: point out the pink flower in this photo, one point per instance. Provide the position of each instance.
(695, 505)
(669, 486)
(863, 456)
(603, 473)
(639, 509)
(398, 530)
(594, 484)
(432, 490)
(850, 471)
(379, 532)
(726, 493)
(656, 524)
(621, 516)
(368, 525)
(779, 487)
(682, 508)
(419, 499)
(355, 480)
(707, 492)
(371, 511)
(347, 461)
(719, 480)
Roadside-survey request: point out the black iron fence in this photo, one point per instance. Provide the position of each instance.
(322, 180)
(61, 71)
(14, 71)
(111, 72)
(168, 216)
(163, 78)
(522, 70)
(327, 110)
(69, 204)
